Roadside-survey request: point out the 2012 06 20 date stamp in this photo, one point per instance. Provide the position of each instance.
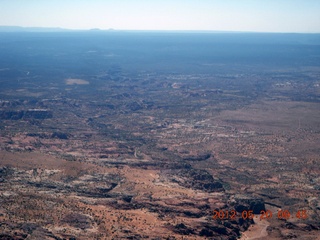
(264, 214)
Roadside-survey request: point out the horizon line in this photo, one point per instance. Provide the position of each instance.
(8, 28)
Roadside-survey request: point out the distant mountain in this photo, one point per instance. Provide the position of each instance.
(31, 29)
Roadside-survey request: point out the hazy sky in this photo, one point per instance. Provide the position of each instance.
(230, 15)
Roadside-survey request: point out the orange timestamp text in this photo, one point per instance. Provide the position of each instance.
(264, 214)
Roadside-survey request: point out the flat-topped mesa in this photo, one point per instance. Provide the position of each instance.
(244, 202)
(197, 179)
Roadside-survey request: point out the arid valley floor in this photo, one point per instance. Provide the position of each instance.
(151, 155)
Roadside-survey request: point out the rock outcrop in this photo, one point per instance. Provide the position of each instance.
(25, 114)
